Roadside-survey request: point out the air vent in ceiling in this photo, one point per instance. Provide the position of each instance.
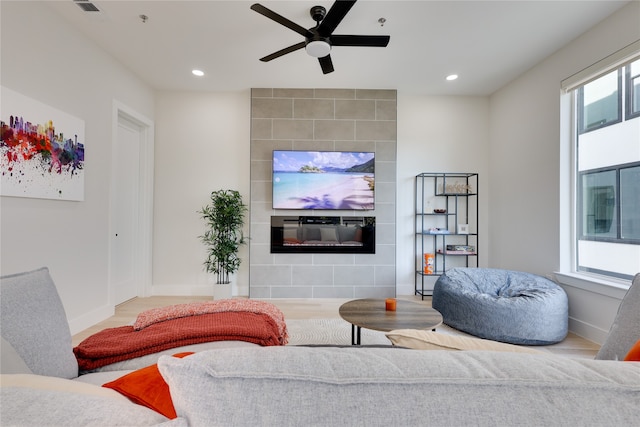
(87, 6)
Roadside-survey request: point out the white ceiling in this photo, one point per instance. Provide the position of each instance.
(488, 43)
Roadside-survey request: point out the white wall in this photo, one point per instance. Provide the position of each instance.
(438, 134)
(529, 171)
(45, 59)
(202, 145)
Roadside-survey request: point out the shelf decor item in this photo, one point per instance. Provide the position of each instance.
(465, 248)
(455, 188)
(429, 263)
(463, 228)
(436, 230)
(224, 218)
(460, 250)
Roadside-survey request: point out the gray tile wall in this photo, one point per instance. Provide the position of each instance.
(323, 120)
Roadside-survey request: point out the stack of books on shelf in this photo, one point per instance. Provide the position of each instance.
(459, 250)
(437, 231)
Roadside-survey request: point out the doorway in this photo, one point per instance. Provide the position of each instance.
(131, 206)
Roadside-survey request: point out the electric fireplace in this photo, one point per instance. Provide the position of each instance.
(323, 234)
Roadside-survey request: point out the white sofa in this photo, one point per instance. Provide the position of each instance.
(288, 385)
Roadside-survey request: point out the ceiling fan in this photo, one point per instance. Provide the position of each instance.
(319, 39)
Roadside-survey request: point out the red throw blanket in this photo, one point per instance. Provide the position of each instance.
(122, 343)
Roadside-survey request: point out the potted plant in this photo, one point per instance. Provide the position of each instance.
(224, 218)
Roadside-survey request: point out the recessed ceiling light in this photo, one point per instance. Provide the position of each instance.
(198, 73)
(452, 77)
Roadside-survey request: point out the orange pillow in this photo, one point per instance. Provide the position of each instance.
(146, 387)
(634, 353)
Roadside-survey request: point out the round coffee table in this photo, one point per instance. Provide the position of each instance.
(371, 313)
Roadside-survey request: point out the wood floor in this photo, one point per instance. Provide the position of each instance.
(126, 313)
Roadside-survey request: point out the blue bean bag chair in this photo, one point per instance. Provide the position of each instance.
(502, 305)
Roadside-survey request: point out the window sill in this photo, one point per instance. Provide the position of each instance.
(597, 284)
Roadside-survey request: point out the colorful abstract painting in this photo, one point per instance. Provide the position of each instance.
(41, 150)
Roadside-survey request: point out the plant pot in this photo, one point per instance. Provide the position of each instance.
(222, 291)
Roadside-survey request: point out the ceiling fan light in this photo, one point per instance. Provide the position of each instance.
(318, 48)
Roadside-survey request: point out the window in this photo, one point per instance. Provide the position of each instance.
(599, 204)
(607, 173)
(600, 102)
(633, 93)
(630, 203)
(607, 195)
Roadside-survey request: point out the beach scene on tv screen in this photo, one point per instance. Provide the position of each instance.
(323, 180)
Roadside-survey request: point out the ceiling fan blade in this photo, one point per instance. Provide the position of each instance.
(368, 41)
(281, 20)
(284, 51)
(326, 64)
(335, 15)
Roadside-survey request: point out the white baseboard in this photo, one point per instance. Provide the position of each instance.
(89, 319)
(194, 290)
(181, 290)
(587, 331)
(405, 289)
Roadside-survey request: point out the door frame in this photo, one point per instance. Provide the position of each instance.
(144, 230)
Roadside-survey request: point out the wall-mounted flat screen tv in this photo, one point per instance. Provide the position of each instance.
(323, 180)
